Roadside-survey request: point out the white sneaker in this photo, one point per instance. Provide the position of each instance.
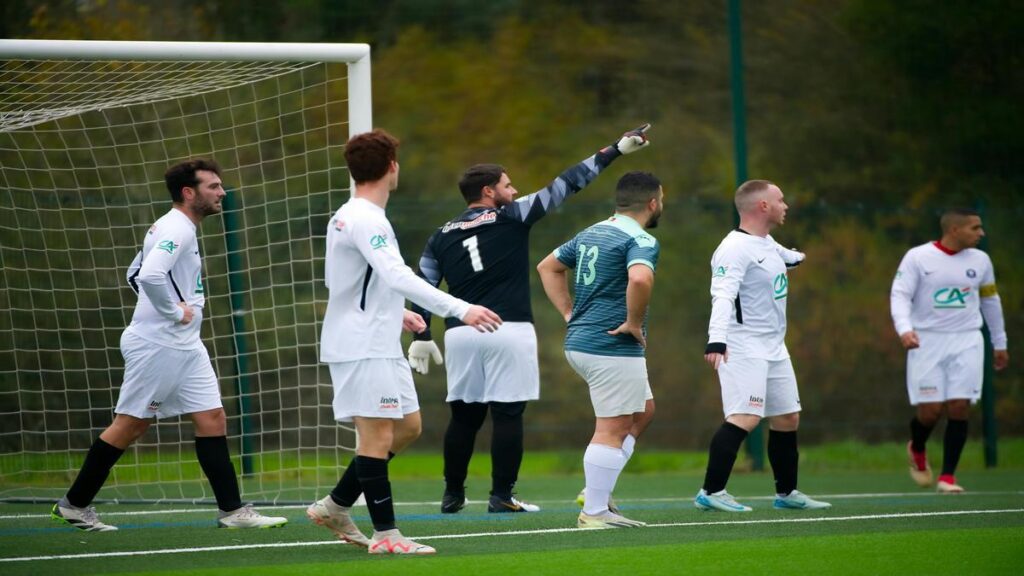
(797, 500)
(248, 517)
(718, 501)
(948, 485)
(81, 518)
(606, 519)
(920, 470)
(336, 519)
(498, 504)
(581, 499)
(392, 542)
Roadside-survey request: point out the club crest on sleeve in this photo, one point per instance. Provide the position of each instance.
(167, 246)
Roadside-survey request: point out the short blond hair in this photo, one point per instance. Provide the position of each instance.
(747, 193)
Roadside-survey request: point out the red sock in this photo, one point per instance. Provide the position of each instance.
(947, 478)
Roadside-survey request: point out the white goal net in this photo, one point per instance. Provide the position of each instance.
(87, 130)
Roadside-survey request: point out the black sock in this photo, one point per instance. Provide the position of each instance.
(98, 462)
(953, 445)
(458, 442)
(722, 455)
(785, 460)
(506, 446)
(919, 434)
(373, 476)
(215, 460)
(348, 489)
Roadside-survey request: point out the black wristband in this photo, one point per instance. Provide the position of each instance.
(715, 348)
(425, 335)
(605, 155)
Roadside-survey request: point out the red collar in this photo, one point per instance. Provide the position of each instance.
(939, 245)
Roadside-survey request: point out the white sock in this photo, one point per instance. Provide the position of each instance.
(628, 444)
(601, 466)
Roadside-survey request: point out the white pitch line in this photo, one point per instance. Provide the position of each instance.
(516, 533)
(681, 499)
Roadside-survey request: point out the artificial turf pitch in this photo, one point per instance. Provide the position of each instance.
(880, 523)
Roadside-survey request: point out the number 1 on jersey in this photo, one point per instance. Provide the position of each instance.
(474, 253)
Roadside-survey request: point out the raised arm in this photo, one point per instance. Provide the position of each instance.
(531, 208)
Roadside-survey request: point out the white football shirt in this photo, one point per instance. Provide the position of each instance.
(749, 289)
(935, 290)
(167, 271)
(368, 282)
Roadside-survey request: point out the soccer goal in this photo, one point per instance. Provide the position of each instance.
(87, 130)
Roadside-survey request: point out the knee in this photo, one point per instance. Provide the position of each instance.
(928, 414)
(124, 431)
(958, 409)
(508, 410)
(211, 423)
(410, 432)
(745, 421)
(468, 415)
(785, 422)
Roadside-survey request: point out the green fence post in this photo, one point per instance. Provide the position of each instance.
(755, 441)
(236, 288)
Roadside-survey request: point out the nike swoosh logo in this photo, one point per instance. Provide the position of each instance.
(927, 272)
(761, 260)
(382, 501)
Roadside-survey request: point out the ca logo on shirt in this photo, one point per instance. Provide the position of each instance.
(951, 297)
(781, 286)
(379, 241)
(720, 272)
(167, 246)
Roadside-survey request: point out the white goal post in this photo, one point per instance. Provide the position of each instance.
(87, 129)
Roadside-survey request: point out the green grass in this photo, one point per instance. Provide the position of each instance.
(860, 535)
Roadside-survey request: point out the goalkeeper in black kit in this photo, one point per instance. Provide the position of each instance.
(483, 254)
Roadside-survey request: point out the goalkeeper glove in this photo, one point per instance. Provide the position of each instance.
(630, 142)
(420, 353)
(633, 140)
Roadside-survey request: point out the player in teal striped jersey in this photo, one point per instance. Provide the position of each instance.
(614, 262)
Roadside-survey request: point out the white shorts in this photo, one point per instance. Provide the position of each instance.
(498, 366)
(373, 388)
(618, 384)
(947, 366)
(160, 382)
(760, 387)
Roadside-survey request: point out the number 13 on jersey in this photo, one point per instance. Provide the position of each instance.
(586, 257)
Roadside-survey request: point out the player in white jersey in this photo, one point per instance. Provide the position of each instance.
(939, 296)
(606, 337)
(167, 369)
(746, 345)
(368, 283)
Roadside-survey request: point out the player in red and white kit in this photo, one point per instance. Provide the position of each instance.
(941, 292)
